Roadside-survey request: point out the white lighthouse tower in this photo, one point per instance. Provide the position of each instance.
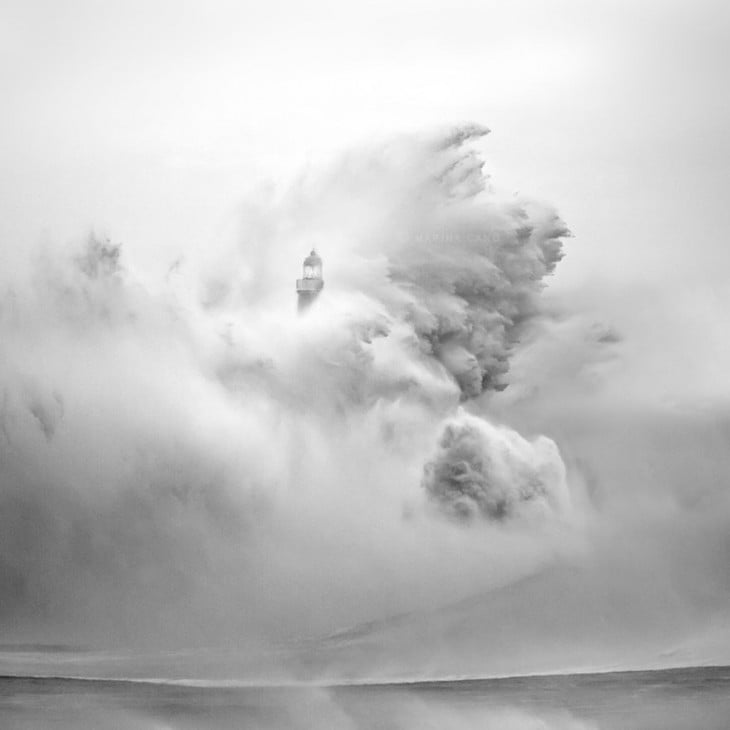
(311, 283)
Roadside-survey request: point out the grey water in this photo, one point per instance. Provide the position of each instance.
(686, 698)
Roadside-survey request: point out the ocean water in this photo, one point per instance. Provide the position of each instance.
(686, 698)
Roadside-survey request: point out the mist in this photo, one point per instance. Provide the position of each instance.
(199, 465)
(182, 463)
(487, 428)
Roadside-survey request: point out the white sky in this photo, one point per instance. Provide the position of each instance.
(148, 120)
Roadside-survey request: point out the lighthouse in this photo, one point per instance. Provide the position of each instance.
(311, 283)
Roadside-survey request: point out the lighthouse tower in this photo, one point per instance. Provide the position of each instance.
(311, 283)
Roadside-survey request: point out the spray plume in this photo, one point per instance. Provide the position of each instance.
(211, 458)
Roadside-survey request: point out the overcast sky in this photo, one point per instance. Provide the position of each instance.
(149, 119)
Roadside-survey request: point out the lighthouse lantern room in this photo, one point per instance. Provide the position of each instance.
(311, 283)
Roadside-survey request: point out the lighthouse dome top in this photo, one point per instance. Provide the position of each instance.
(313, 259)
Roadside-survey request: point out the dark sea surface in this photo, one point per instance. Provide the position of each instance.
(687, 698)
